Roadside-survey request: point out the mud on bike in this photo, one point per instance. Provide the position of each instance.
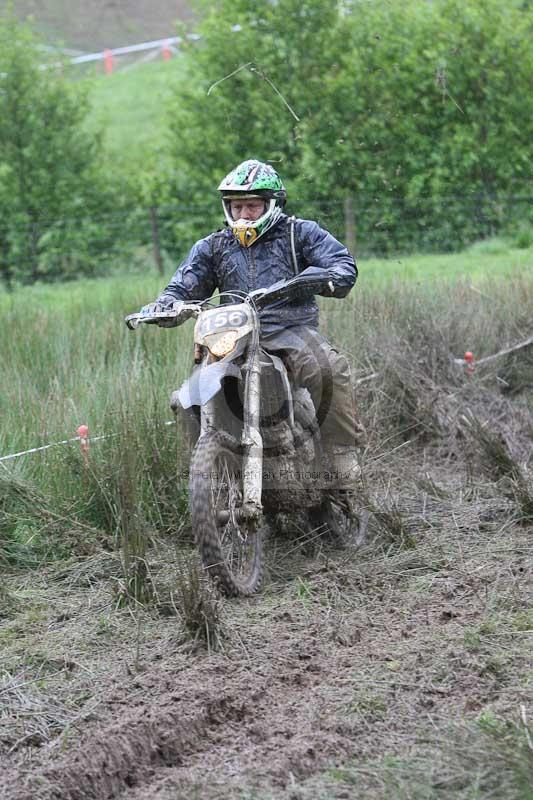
(258, 450)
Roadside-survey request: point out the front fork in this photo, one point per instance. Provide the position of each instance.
(251, 439)
(252, 443)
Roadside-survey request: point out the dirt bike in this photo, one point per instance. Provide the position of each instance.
(258, 450)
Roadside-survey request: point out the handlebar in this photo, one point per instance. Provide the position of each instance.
(310, 281)
(172, 318)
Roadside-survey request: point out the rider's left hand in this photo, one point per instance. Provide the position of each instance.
(172, 322)
(257, 294)
(329, 291)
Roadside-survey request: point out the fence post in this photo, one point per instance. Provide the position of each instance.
(156, 246)
(349, 223)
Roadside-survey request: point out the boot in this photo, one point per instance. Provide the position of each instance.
(345, 464)
(350, 519)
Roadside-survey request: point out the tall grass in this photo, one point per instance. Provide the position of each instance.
(66, 358)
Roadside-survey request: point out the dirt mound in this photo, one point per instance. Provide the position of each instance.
(128, 752)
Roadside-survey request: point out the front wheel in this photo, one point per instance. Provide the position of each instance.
(230, 545)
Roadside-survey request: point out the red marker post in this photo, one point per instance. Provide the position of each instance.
(469, 359)
(167, 53)
(83, 435)
(108, 62)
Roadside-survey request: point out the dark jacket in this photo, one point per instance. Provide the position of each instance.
(220, 262)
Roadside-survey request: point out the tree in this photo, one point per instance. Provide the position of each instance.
(421, 111)
(254, 75)
(439, 127)
(48, 163)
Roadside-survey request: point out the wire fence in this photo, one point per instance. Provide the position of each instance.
(386, 225)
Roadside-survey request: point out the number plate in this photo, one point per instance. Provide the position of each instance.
(226, 319)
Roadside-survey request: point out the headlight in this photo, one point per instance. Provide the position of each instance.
(221, 343)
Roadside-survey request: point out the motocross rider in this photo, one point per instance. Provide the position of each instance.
(259, 246)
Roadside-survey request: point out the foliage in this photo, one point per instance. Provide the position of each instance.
(49, 181)
(413, 109)
(438, 101)
(286, 47)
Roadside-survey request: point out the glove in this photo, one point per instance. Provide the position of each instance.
(175, 307)
(150, 310)
(329, 290)
(163, 304)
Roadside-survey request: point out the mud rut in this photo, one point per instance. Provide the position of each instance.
(276, 709)
(217, 723)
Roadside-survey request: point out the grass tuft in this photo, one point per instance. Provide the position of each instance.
(392, 525)
(497, 460)
(198, 605)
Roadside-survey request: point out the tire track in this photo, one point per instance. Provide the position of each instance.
(259, 719)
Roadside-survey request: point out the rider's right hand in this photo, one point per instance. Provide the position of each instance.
(150, 310)
(175, 307)
(167, 312)
(172, 306)
(158, 306)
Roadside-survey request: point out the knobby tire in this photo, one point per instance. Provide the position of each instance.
(231, 553)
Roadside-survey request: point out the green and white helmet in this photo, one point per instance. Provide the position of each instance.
(253, 179)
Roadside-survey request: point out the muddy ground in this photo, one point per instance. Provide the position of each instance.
(402, 668)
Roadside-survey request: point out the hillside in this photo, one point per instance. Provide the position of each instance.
(103, 23)
(130, 108)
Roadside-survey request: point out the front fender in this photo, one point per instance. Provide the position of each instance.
(203, 384)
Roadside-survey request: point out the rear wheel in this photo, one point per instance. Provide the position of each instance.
(229, 543)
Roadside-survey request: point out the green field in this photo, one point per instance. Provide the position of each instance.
(130, 108)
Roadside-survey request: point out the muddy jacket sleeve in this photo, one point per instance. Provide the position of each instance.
(195, 278)
(321, 249)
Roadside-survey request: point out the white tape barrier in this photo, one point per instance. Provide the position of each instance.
(460, 361)
(487, 359)
(157, 44)
(89, 439)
